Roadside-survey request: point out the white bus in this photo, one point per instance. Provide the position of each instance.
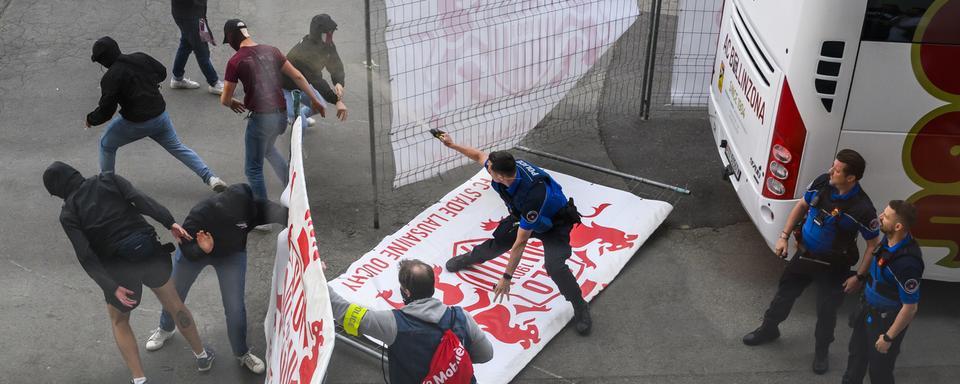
(795, 81)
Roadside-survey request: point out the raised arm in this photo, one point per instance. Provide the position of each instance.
(466, 150)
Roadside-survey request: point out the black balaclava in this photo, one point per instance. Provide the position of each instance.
(61, 179)
(321, 29)
(105, 51)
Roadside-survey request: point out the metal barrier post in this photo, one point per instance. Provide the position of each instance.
(373, 153)
(650, 62)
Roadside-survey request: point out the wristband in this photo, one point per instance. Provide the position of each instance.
(784, 235)
(887, 338)
(508, 276)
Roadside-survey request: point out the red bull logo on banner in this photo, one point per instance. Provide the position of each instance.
(614, 227)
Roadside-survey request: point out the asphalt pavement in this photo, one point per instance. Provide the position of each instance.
(675, 314)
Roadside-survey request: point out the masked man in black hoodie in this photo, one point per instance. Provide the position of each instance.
(102, 217)
(133, 82)
(221, 224)
(314, 53)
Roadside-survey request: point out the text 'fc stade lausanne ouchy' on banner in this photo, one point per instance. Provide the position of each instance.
(615, 225)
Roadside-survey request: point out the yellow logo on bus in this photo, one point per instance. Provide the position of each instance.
(931, 151)
(720, 79)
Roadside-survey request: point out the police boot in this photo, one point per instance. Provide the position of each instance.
(821, 361)
(763, 334)
(581, 318)
(457, 263)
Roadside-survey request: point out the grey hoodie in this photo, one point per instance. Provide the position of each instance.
(381, 325)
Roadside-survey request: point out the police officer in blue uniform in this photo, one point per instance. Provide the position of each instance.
(890, 298)
(836, 209)
(538, 208)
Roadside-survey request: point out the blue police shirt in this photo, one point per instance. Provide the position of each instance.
(861, 216)
(533, 196)
(903, 269)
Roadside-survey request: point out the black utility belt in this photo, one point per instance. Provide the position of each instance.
(882, 313)
(825, 259)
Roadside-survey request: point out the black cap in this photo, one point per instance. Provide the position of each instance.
(231, 26)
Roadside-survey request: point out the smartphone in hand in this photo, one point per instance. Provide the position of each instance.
(436, 132)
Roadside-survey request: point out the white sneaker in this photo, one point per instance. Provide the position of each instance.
(216, 184)
(217, 88)
(253, 363)
(159, 337)
(183, 83)
(311, 122)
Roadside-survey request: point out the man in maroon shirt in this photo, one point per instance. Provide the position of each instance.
(260, 68)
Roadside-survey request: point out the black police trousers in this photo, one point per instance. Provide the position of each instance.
(867, 328)
(556, 249)
(796, 277)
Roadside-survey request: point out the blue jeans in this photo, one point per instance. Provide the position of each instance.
(190, 43)
(261, 137)
(306, 109)
(231, 272)
(120, 132)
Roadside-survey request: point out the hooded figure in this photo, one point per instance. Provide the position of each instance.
(61, 179)
(105, 51)
(103, 218)
(131, 82)
(321, 29)
(316, 52)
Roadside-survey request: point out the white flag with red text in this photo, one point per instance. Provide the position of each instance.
(299, 323)
(615, 225)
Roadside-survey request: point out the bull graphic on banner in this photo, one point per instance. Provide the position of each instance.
(615, 225)
(299, 323)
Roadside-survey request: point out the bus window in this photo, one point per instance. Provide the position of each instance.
(893, 20)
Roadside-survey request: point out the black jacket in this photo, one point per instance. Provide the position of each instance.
(132, 81)
(229, 216)
(98, 212)
(311, 55)
(188, 9)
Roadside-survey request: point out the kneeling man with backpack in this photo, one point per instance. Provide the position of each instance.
(428, 340)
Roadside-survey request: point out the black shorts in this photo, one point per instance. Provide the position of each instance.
(153, 272)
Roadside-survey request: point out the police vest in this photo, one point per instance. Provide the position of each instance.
(528, 175)
(417, 340)
(826, 217)
(882, 290)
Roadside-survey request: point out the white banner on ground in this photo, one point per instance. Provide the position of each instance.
(299, 323)
(615, 225)
(694, 51)
(488, 73)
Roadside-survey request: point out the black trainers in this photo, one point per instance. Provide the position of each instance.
(761, 335)
(457, 263)
(204, 363)
(821, 362)
(581, 318)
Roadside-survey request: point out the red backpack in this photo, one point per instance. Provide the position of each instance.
(451, 363)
